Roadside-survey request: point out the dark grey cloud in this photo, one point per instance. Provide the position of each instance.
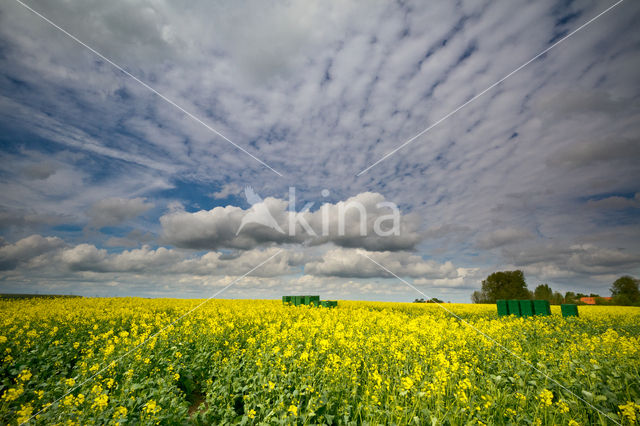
(39, 170)
(12, 255)
(591, 152)
(114, 211)
(502, 237)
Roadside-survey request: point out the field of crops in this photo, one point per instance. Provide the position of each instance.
(259, 361)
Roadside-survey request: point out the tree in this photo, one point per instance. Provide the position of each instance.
(557, 299)
(570, 297)
(626, 291)
(543, 292)
(478, 297)
(502, 285)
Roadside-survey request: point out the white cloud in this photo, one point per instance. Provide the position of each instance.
(114, 211)
(342, 221)
(353, 264)
(226, 190)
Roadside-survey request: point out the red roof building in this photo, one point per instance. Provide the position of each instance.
(591, 300)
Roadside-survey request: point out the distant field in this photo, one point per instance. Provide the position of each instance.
(253, 361)
(31, 295)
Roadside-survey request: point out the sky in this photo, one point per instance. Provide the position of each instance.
(136, 139)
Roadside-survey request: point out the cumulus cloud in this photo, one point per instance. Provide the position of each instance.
(365, 221)
(114, 211)
(354, 264)
(465, 278)
(226, 190)
(53, 255)
(11, 255)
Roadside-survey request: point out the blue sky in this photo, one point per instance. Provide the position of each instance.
(108, 189)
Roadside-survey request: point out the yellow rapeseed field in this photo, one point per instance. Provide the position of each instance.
(243, 361)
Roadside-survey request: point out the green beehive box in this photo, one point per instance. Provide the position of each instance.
(526, 308)
(329, 303)
(503, 307)
(286, 300)
(569, 310)
(541, 307)
(312, 300)
(514, 307)
(297, 300)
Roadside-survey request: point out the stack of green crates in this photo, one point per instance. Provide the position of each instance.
(312, 300)
(526, 308)
(569, 310)
(503, 308)
(301, 300)
(514, 307)
(523, 308)
(541, 307)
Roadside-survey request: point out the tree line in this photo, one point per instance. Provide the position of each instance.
(512, 285)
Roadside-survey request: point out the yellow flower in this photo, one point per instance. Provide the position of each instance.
(293, 410)
(24, 414)
(407, 383)
(271, 385)
(3, 339)
(176, 377)
(13, 393)
(629, 410)
(573, 423)
(251, 414)
(68, 400)
(100, 401)
(120, 412)
(70, 382)
(546, 397)
(562, 407)
(151, 407)
(25, 375)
